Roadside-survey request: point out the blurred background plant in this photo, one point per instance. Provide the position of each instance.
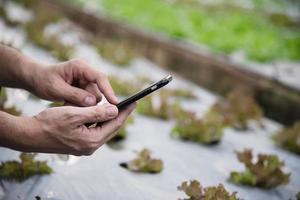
(289, 138)
(265, 172)
(238, 108)
(23, 169)
(195, 191)
(264, 30)
(9, 109)
(121, 134)
(208, 130)
(144, 163)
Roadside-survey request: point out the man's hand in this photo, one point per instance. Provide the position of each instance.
(72, 81)
(62, 129)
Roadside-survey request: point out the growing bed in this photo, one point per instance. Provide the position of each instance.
(100, 176)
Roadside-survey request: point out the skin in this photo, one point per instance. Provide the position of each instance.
(59, 129)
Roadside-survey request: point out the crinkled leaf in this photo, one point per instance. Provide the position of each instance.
(195, 191)
(204, 131)
(144, 163)
(266, 172)
(24, 169)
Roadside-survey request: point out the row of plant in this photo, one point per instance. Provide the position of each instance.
(266, 172)
(195, 191)
(235, 111)
(256, 35)
(261, 39)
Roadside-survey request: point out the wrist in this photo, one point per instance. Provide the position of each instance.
(18, 133)
(17, 70)
(29, 72)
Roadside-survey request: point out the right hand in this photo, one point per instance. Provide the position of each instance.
(73, 81)
(62, 130)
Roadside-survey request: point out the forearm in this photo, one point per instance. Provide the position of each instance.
(16, 69)
(15, 131)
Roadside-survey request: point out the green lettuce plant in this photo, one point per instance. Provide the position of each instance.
(144, 163)
(265, 172)
(254, 34)
(195, 191)
(23, 169)
(238, 108)
(208, 130)
(289, 138)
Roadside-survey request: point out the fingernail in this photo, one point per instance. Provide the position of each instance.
(89, 101)
(111, 111)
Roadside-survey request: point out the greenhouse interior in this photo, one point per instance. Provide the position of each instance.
(151, 100)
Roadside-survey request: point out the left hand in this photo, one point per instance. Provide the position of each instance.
(73, 81)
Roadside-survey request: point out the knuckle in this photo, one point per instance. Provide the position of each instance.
(71, 116)
(75, 95)
(102, 76)
(99, 109)
(68, 111)
(78, 62)
(99, 114)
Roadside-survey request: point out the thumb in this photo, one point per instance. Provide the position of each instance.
(77, 96)
(99, 113)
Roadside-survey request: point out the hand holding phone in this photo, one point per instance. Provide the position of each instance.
(153, 87)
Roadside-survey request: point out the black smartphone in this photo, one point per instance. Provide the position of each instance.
(153, 87)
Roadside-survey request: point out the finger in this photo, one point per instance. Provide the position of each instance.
(110, 136)
(76, 95)
(92, 114)
(107, 90)
(99, 78)
(93, 89)
(107, 130)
